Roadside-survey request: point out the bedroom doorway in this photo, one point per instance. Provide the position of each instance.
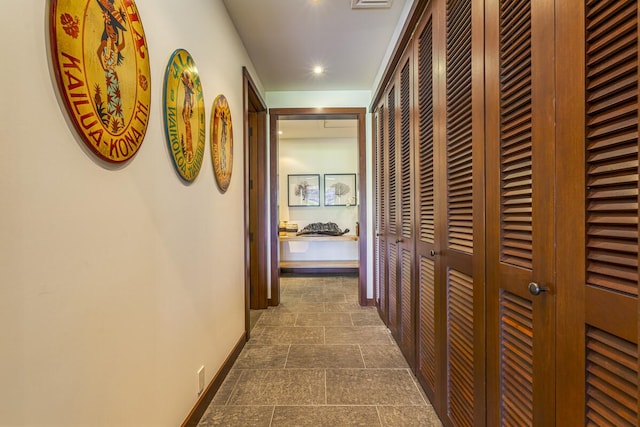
(346, 208)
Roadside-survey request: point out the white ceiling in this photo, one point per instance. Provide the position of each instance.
(286, 39)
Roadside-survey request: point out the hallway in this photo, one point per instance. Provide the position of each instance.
(320, 359)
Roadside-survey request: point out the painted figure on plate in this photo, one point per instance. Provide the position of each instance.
(187, 114)
(112, 43)
(222, 142)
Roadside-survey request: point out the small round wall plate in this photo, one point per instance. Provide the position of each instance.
(221, 142)
(184, 115)
(101, 63)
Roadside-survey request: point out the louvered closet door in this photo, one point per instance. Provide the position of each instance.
(406, 230)
(455, 222)
(520, 200)
(393, 231)
(427, 245)
(597, 136)
(380, 263)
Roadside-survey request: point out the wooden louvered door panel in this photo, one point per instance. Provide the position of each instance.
(392, 228)
(380, 256)
(597, 175)
(519, 215)
(427, 245)
(455, 214)
(405, 239)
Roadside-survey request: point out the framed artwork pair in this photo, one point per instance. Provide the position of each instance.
(304, 189)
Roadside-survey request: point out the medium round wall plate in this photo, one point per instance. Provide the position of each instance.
(221, 142)
(184, 115)
(101, 63)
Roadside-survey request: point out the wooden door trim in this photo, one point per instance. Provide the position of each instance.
(543, 169)
(492, 244)
(479, 206)
(252, 101)
(357, 113)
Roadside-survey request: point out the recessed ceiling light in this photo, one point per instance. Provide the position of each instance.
(280, 132)
(317, 70)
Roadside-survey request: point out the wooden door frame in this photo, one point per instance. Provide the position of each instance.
(253, 102)
(356, 113)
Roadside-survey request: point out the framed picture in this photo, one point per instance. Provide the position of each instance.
(340, 189)
(304, 190)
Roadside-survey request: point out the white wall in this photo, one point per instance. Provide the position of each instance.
(317, 156)
(338, 99)
(115, 285)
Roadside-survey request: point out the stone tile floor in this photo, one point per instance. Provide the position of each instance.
(320, 359)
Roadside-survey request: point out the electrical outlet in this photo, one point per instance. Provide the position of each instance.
(200, 380)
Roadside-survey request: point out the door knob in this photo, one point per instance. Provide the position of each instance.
(535, 289)
(399, 240)
(432, 252)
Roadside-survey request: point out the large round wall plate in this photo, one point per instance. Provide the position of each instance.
(221, 142)
(184, 116)
(101, 62)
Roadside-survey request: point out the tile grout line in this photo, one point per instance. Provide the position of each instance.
(420, 392)
(326, 399)
(273, 412)
(286, 359)
(364, 363)
(235, 384)
(378, 412)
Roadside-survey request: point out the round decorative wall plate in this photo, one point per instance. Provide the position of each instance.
(101, 62)
(184, 115)
(221, 142)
